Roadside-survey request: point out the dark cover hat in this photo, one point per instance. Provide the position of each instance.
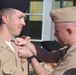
(71, 71)
(50, 45)
(21, 5)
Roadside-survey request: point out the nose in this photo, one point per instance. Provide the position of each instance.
(23, 22)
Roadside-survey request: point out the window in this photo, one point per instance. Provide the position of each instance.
(64, 3)
(38, 22)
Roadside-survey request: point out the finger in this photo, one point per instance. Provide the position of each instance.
(18, 40)
(23, 43)
(28, 38)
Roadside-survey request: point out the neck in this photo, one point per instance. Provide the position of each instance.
(5, 35)
(71, 43)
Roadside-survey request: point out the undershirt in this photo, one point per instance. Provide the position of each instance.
(10, 45)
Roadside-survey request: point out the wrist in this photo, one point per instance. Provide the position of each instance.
(30, 58)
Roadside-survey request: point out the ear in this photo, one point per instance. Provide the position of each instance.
(5, 18)
(69, 31)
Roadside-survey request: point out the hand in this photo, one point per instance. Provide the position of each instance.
(25, 42)
(24, 52)
(20, 40)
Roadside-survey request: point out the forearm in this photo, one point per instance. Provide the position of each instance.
(44, 55)
(39, 70)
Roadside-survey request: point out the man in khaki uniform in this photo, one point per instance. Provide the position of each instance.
(12, 13)
(65, 30)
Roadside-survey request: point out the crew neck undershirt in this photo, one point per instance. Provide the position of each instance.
(10, 45)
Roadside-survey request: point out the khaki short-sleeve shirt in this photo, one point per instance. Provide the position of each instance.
(67, 62)
(10, 63)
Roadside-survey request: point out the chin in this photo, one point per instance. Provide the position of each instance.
(17, 34)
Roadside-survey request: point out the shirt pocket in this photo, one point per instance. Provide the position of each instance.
(8, 69)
